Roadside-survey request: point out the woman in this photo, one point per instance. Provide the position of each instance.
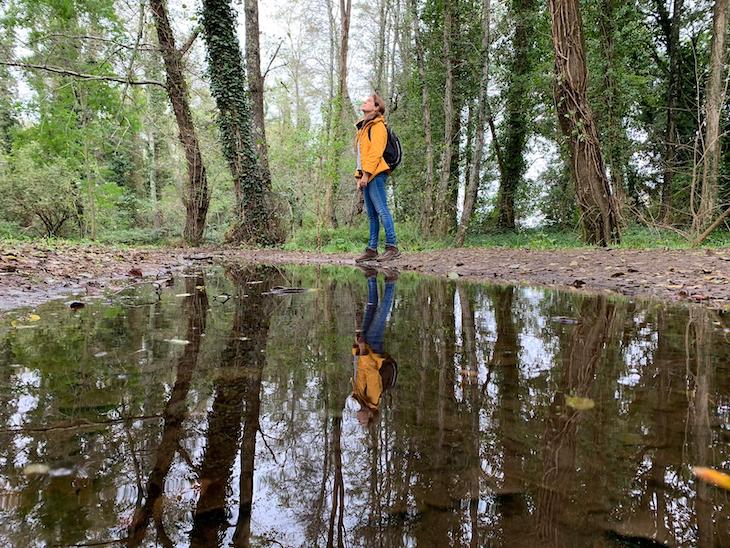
(372, 172)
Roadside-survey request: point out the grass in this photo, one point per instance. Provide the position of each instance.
(354, 239)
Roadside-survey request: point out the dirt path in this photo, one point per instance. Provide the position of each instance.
(30, 274)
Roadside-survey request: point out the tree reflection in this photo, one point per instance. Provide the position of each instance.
(194, 308)
(236, 407)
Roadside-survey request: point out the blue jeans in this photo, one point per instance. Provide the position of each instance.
(376, 204)
(373, 324)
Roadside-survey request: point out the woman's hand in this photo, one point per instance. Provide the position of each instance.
(363, 181)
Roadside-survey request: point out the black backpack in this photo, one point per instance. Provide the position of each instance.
(393, 153)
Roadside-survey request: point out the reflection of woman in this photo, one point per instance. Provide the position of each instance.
(375, 369)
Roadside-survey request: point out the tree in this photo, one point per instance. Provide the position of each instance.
(427, 207)
(256, 85)
(439, 221)
(255, 222)
(713, 109)
(599, 215)
(517, 116)
(670, 27)
(196, 198)
(472, 185)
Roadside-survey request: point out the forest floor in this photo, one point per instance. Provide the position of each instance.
(31, 273)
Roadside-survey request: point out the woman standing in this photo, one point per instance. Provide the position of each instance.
(372, 172)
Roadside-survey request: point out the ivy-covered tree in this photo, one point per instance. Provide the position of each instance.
(255, 222)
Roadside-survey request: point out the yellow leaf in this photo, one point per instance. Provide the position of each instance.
(712, 476)
(579, 404)
(14, 323)
(34, 317)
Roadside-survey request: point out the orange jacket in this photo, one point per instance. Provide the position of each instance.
(367, 384)
(372, 138)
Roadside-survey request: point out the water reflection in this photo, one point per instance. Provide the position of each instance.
(375, 370)
(519, 417)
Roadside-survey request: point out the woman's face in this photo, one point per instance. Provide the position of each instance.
(368, 105)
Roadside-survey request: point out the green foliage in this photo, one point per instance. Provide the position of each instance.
(38, 191)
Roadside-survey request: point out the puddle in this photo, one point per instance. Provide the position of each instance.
(315, 406)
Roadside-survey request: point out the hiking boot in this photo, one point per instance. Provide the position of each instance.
(369, 271)
(369, 255)
(391, 252)
(391, 274)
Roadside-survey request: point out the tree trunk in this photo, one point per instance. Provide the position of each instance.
(256, 86)
(612, 119)
(472, 185)
(427, 207)
(439, 222)
(713, 109)
(599, 217)
(516, 117)
(340, 116)
(671, 28)
(196, 198)
(255, 220)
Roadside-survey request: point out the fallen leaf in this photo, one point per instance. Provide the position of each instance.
(33, 317)
(36, 469)
(200, 287)
(100, 354)
(579, 404)
(453, 275)
(180, 342)
(720, 479)
(183, 295)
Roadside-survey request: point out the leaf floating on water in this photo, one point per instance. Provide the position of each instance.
(34, 317)
(181, 342)
(183, 295)
(579, 404)
(37, 469)
(715, 477)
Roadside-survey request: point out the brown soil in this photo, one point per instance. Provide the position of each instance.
(30, 274)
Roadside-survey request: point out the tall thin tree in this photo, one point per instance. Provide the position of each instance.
(196, 197)
(713, 109)
(256, 85)
(472, 184)
(517, 115)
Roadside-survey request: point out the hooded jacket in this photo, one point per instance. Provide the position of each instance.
(372, 136)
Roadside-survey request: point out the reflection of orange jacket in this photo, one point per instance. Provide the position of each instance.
(372, 138)
(367, 384)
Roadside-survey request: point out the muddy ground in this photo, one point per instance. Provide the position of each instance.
(32, 273)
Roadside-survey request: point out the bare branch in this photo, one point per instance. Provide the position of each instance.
(81, 75)
(268, 67)
(190, 41)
